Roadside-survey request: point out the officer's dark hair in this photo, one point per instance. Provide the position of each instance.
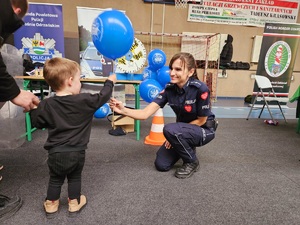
(188, 61)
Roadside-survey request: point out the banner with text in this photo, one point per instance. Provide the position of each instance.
(277, 56)
(244, 12)
(42, 36)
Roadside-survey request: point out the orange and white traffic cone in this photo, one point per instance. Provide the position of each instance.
(156, 136)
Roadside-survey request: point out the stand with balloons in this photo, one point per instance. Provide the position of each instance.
(113, 36)
(155, 76)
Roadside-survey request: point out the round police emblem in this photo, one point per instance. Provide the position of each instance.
(278, 59)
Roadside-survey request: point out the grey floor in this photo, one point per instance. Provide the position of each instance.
(249, 174)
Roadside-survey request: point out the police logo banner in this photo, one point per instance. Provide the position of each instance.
(42, 36)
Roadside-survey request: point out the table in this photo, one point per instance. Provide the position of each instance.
(295, 97)
(28, 79)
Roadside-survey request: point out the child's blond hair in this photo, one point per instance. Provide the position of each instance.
(57, 70)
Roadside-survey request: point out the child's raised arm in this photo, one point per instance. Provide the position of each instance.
(113, 78)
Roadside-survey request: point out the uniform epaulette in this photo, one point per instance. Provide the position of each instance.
(169, 85)
(195, 83)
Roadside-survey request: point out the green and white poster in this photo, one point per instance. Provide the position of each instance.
(277, 55)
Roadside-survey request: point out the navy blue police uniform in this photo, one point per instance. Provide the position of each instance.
(188, 103)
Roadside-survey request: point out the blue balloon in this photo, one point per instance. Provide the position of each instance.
(149, 89)
(102, 112)
(163, 75)
(149, 74)
(156, 59)
(112, 34)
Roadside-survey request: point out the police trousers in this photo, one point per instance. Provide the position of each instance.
(184, 138)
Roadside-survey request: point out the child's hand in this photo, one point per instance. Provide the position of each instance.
(113, 78)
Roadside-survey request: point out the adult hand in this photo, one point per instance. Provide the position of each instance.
(27, 100)
(116, 106)
(168, 145)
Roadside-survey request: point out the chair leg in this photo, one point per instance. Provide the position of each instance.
(262, 109)
(251, 107)
(250, 112)
(281, 111)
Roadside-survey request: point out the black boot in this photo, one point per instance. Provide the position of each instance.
(9, 206)
(187, 169)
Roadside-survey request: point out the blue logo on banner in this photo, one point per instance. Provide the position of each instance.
(40, 49)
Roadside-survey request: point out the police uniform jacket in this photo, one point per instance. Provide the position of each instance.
(188, 103)
(9, 23)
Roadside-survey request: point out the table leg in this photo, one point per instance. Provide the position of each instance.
(27, 116)
(137, 106)
(28, 127)
(41, 90)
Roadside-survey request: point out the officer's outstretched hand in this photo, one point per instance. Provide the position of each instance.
(116, 106)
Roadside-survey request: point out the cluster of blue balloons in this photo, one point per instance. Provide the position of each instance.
(112, 33)
(103, 111)
(155, 76)
(113, 36)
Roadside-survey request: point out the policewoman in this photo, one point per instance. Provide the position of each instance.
(195, 123)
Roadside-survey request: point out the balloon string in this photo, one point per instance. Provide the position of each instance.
(113, 111)
(113, 93)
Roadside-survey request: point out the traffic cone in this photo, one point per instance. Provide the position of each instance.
(156, 136)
